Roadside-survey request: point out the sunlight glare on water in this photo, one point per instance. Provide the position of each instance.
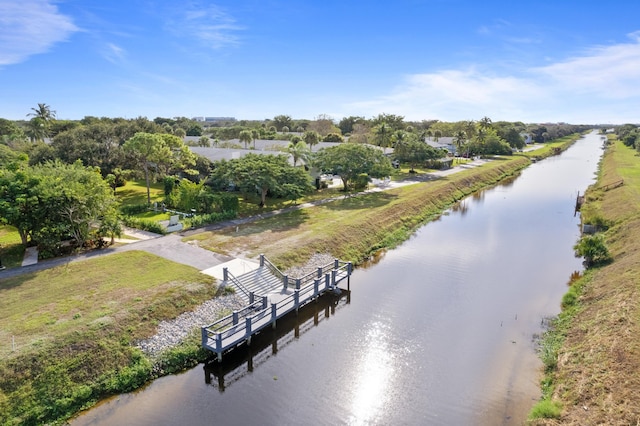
(372, 378)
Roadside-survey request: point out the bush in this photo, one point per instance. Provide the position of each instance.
(333, 137)
(143, 224)
(361, 181)
(593, 249)
(206, 219)
(133, 209)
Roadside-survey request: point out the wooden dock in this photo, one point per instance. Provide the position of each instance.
(270, 295)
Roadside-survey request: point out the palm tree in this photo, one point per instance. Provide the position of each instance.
(255, 134)
(382, 133)
(311, 138)
(485, 123)
(459, 140)
(39, 124)
(399, 137)
(299, 151)
(37, 129)
(43, 112)
(245, 136)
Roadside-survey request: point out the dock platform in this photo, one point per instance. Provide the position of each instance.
(270, 295)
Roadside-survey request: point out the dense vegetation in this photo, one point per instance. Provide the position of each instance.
(119, 150)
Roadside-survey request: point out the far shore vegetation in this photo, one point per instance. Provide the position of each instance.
(591, 353)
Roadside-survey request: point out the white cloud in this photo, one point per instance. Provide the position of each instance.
(114, 53)
(455, 95)
(30, 27)
(602, 85)
(607, 71)
(208, 23)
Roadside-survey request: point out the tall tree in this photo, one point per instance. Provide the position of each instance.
(158, 151)
(266, 173)
(485, 123)
(148, 149)
(281, 121)
(459, 139)
(350, 160)
(44, 112)
(382, 134)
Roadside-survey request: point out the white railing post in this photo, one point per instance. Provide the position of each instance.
(296, 299)
(205, 337)
(285, 280)
(298, 283)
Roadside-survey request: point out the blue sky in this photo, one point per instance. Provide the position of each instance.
(575, 61)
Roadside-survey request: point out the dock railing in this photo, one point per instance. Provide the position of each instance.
(271, 267)
(337, 266)
(229, 278)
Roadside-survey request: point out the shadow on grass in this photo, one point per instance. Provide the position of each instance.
(362, 201)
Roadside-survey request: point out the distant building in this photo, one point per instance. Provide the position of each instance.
(213, 119)
(443, 142)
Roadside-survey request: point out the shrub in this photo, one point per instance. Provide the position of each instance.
(143, 224)
(133, 209)
(593, 249)
(333, 137)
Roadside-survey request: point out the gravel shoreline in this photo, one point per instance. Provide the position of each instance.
(172, 333)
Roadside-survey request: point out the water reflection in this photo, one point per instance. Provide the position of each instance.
(245, 358)
(374, 372)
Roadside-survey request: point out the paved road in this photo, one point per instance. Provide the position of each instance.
(172, 248)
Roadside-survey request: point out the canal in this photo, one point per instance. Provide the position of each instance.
(439, 331)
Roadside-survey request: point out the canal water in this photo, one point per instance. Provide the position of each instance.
(439, 331)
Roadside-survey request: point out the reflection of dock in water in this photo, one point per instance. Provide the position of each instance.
(269, 341)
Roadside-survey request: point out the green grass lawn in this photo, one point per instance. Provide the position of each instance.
(11, 249)
(135, 192)
(49, 304)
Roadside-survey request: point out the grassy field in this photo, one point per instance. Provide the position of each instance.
(66, 333)
(593, 359)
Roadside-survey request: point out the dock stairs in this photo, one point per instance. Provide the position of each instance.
(269, 295)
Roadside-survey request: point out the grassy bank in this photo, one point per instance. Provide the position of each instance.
(592, 354)
(67, 332)
(353, 228)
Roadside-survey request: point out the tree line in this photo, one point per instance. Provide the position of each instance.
(58, 178)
